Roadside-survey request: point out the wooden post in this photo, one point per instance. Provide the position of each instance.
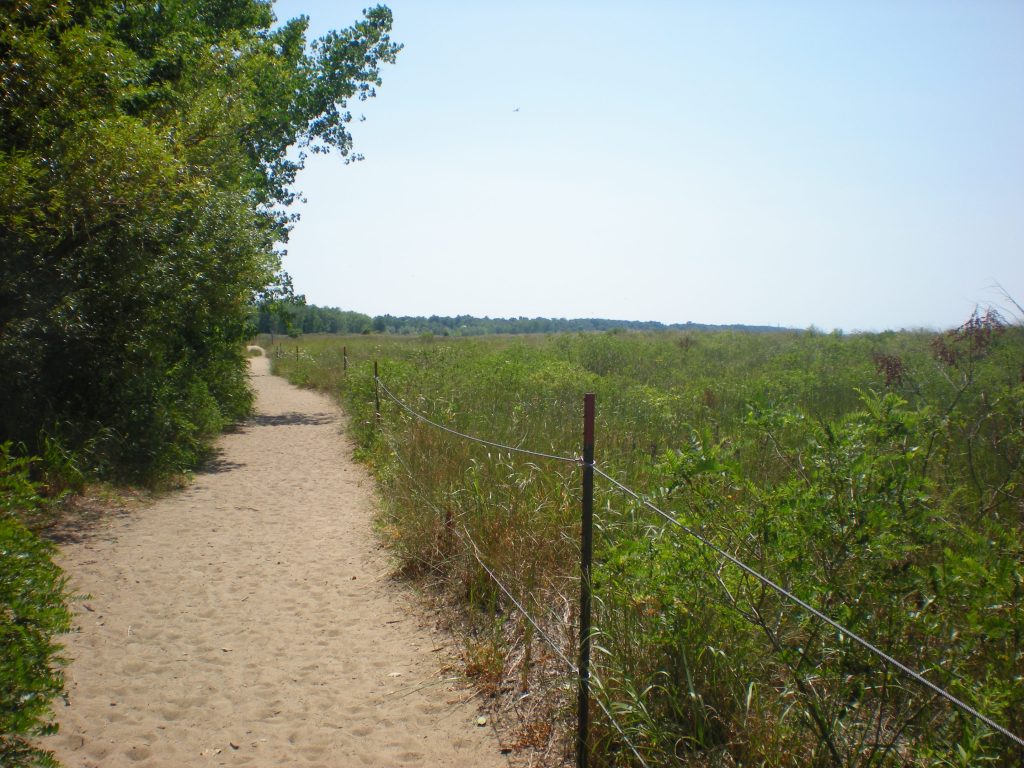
(586, 558)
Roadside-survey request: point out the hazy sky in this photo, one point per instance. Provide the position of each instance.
(850, 165)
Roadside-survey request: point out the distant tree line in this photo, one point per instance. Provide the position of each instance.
(294, 318)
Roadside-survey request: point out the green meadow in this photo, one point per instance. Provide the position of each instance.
(878, 477)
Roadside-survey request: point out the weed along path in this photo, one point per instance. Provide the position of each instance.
(250, 620)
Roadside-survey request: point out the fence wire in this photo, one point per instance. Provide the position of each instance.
(871, 648)
(473, 438)
(962, 706)
(467, 539)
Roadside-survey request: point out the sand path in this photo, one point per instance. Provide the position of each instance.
(250, 620)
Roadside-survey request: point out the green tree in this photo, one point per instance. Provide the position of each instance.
(147, 155)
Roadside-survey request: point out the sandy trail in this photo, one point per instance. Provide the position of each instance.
(249, 620)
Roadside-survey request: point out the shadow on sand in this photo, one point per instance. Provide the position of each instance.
(80, 518)
(291, 419)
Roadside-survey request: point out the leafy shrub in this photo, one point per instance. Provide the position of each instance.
(33, 610)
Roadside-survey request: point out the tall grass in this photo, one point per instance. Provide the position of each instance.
(877, 477)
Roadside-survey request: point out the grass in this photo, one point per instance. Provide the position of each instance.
(877, 476)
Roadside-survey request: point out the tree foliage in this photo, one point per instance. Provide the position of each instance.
(145, 149)
(33, 610)
(295, 317)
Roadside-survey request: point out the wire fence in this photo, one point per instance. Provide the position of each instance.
(466, 538)
(725, 556)
(965, 708)
(473, 438)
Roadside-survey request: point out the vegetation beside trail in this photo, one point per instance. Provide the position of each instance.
(879, 477)
(33, 612)
(145, 152)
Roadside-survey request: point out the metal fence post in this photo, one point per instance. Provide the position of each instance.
(376, 389)
(344, 359)
(586, 557)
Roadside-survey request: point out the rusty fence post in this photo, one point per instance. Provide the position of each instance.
(586, 558)
(376, 389)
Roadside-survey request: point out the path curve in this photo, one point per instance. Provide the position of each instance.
(250, 620)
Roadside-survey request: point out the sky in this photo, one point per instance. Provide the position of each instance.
(846, 165)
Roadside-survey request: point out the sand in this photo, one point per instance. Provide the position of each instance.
(252, 620)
